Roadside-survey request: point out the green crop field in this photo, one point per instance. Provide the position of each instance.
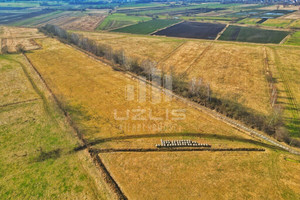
(294, 39)
(118, 20)
(147, 27)
(256, 35)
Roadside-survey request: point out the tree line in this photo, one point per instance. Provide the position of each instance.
(196, 89)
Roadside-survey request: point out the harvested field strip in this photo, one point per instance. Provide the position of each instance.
(173, 150)
(107, 177)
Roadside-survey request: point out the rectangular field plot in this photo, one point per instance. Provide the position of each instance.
(193, 30)
(118, 20)
(147, 27)
(256, 35)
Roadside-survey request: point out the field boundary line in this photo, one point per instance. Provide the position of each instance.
(220, 33)
(165, 27)
(103, 171)
(285, 38)
(212, 113)
(19, 102)
(113, 150)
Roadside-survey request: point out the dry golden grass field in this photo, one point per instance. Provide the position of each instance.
(93, 93)
(36, 153)
(234, 71)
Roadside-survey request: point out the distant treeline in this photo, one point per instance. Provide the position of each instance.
(195, 90)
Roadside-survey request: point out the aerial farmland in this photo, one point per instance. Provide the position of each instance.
(149, 100)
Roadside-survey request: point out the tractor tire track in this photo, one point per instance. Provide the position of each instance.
(19, 102)
(198, 59)
(171, 53)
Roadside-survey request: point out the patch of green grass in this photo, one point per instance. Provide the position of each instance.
(294, 39)
(147, 27)
(5, 67)
(292, 160)
(118, 20)
(256, 35)
(249, 21)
